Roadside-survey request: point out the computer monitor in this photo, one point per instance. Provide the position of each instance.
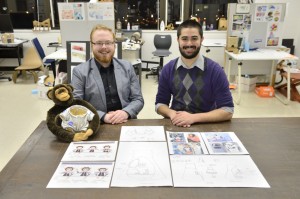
(22, 20)
(5, 25)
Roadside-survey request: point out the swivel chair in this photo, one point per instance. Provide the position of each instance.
(47, 62)
(162, 44)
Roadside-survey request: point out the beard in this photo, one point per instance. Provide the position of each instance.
(103, 58)
(191, 56)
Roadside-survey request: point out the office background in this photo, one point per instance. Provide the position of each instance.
(21, 111)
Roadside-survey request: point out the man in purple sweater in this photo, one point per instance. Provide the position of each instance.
(196, 85)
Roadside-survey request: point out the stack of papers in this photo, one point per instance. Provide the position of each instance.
(212, 159)
(147, 156)
(85, 165)
(142, 158)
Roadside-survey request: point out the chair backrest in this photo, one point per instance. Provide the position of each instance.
(162, 42)
(32, 59)
(38, 48)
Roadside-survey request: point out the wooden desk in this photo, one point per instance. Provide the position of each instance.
(273, 144)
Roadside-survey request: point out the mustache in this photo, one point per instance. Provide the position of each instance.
(186, 47)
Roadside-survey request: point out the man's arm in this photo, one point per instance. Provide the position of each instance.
(136, 98)
(185, 119)
(165, 111)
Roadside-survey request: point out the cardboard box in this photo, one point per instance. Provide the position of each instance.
(222, 24)
(7, 38)
(265, 91)
(135, 27)
(42, 91)
(248, 87)
(43, 85)
(249, 79)
(232, 42)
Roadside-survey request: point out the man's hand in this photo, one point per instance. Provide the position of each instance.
(183, 119)
(116, 117)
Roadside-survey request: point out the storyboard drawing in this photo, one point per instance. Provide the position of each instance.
(142, 164)
(142, 133)
(82, 175)
(216, 171)
(91, 151)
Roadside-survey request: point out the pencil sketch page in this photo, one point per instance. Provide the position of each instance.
(141, 164)
(142, 133)
(82, 175)
(223, 143)
(216, 171)
(186, 143)
(91, 151)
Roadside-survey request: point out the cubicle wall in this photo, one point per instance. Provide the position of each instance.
(261, 24)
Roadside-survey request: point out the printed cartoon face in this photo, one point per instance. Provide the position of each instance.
(67, 14)
(231, 147)
(68, 169)
(84, 169)
(102, 169)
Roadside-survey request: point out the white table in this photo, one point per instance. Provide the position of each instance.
(214, 43)
(260, 55)
(60, 54)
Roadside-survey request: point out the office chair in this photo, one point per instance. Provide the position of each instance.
(162, 44)
(31, 63)
(47, 62)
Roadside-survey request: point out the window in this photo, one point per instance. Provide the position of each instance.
(142, 13)
(146, 14)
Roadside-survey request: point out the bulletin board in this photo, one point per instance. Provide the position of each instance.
(260, 24)
(78, 19)
(77, 53)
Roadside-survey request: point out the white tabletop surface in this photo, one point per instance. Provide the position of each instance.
(16, 43)
(60, 54)
(214, 42)
(263, 54)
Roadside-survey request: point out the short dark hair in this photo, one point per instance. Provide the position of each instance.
(190, 24)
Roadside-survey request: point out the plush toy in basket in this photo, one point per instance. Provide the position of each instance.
(71, 119)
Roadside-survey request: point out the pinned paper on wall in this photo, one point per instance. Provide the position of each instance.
(242, 22)
(71, 12)
(268, 13)
(273, 34)
(103, 11)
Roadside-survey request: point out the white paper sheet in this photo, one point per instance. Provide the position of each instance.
(223, 143)
(142, 133)
(186, 143)
(91, 151)
(142, 164)
(82, 175)
(216, 171)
